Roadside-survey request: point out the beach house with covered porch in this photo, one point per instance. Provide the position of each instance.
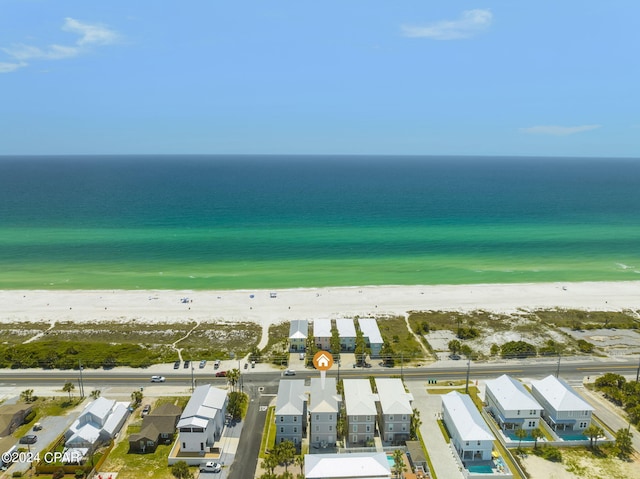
(564, 410)
(512, 406)
(470, 434)
(298, 333)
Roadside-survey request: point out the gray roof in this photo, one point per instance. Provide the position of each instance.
(466, 417)
(323, 399)
(559, 395)
(363, 465)
(322, 328)
(370, 330)
(291, 398)
(392, 396)
(346, 328)
(511, 394)
(299, 329)
(203, 406)
(358, 398)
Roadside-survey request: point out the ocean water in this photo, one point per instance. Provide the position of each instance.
(228, 222)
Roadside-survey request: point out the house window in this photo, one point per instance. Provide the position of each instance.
(404, 417)
(466, 443)
(317, 428)
(368, 418)
(404, 428)
(184, 445)
(330, 428)
(354, 438)
(518, 412)
(317, 417)
(368, 428)
(478, 443)
(330, 417)
(295, 418)
(282, 429)
(355, 428)
(202, 446)
(281, 418)
(390, 418)
(295, 429)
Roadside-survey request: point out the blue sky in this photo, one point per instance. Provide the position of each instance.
(527, 78)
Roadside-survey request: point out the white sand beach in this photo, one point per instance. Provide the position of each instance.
(272, 306)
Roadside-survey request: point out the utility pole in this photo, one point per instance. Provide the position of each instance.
(558, 369)
(466, 386)
(402, 365)
(638, 371)
(81, 381)
(193, 384)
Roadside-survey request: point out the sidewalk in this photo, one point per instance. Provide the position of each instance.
(430, 407)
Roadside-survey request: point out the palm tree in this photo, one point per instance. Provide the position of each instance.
(416, 422)
(520, 434)
(624, 445)
(398, 462)
(593, 432)
(68, 387)
(536, 433)
(233, 377)
(285, 452)
(300, 462)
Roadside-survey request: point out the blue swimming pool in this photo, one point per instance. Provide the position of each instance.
(480, 469)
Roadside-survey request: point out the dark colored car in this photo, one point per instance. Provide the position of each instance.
(176, 365)
(221, 374)
(186, 364)
(29, 439)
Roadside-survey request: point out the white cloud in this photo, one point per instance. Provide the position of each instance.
(556, 130)
(10, 67)
(470, 23)
(89, 35)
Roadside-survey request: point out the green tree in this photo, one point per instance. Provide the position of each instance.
(387, 353)
(68, 388)
(233, 376)
(466, 351)
(520, 434)
(361, 347)
(95, 394)
(495, 350)
(285, 452)
(270, 462)
(536, 433)
(180, 470)
(311, 349)
(454, 346)
(335, 342)
(136, 398)
(398, 462)
(416, 422)
(624, 445)
(237, 404)
(300, 463)
(593, 431)
(27, 395)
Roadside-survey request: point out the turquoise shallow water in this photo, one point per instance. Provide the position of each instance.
(267, 222)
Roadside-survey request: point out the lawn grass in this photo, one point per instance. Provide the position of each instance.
(395, 332)
(138, 466)
(426, 455)
(268, 433)
(444, 431)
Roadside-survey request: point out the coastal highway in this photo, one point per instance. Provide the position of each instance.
(569, 369)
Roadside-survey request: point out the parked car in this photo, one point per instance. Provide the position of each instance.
(221, 374)
(216, 364)
(301, 356)
(176, 365)
(186, 364)
(203, 363)
(37, 426)
(289, 372)
(210, 467)
(146, 410)
(158, 379)
(29, 439)
(246, 365)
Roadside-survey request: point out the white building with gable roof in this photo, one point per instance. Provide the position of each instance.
(347, 466)
(322, 333)
(360, 404)
(202, 420)
(470, 434)
(291, 411)
(511, 404)
(372, 336)
(298, 333)
(347, 333)
(394, 410)
(564, 409)
(98, 423)
(323, 412)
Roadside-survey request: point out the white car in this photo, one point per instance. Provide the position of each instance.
(158, 379)
(289, 372)
(210, 467)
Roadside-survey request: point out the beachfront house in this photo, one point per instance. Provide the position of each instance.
(298, 332)
(291, 411)
(158, 427)
(394, 411)
(360, 404)
(563, 409)
(202, 420)
(372, 336)
(322, 333)
(360, 465)
(512, 406)
(97, 424)
(323, 413)
(470, 434)
(347, 333)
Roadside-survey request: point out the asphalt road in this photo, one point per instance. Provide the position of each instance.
(569, 369)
